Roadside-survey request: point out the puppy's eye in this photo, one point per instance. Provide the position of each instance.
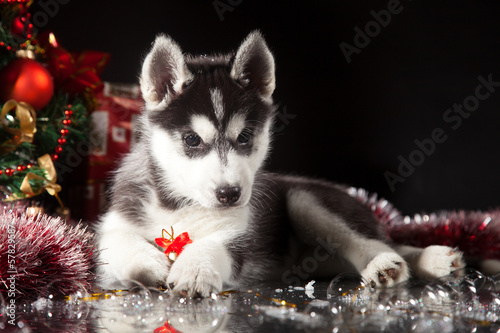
(244, 136)
(192, 140)
(243, 80)
(186, 84)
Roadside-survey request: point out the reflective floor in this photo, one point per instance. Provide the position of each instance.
(463, 302)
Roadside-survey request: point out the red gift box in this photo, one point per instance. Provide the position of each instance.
(111, 135)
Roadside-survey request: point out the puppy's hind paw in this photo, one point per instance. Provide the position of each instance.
(437, 261)
(385, 270)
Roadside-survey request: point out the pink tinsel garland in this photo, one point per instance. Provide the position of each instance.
(43, 250)
(477, 234)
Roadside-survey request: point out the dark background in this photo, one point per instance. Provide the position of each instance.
(352, 120)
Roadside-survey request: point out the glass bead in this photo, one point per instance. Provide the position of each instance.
(400, 301)
(348, 287)
(319, 309)
(199, 315)
(439, 298)
(58, 311)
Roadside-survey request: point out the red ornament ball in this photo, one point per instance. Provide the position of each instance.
(26, 80)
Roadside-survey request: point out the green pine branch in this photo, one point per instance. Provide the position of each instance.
(49, 123)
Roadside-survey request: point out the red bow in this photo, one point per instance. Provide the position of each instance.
(173, 247)
(74, 73)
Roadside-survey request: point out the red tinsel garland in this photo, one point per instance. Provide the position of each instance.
(38, 250)
(476, 234)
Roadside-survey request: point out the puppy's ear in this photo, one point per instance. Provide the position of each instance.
(254, 65)
(163, 73)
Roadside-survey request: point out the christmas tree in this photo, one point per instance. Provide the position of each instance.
(46, 94)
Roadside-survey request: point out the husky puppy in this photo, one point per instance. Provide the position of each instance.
(197, 167)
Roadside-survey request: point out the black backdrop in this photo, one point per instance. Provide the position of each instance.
(351, 122)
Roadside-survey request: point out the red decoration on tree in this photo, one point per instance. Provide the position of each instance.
(11, 2)
(21, 26)
(74, 72)
(25, 80)
(173, 247)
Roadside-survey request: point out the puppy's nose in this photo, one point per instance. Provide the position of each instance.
(228, 195)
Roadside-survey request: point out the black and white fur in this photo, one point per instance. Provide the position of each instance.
(204, 136)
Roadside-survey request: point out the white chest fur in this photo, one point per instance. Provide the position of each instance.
(197, 221)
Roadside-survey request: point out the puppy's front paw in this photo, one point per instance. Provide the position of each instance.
(150, 268)
(193, 278)
(140, 261)
(437, 260)
(386, 270)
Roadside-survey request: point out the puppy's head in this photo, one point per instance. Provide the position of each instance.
(209, 119)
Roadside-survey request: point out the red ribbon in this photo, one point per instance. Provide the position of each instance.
(166, 328)
(172, 245)
(75, 73)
